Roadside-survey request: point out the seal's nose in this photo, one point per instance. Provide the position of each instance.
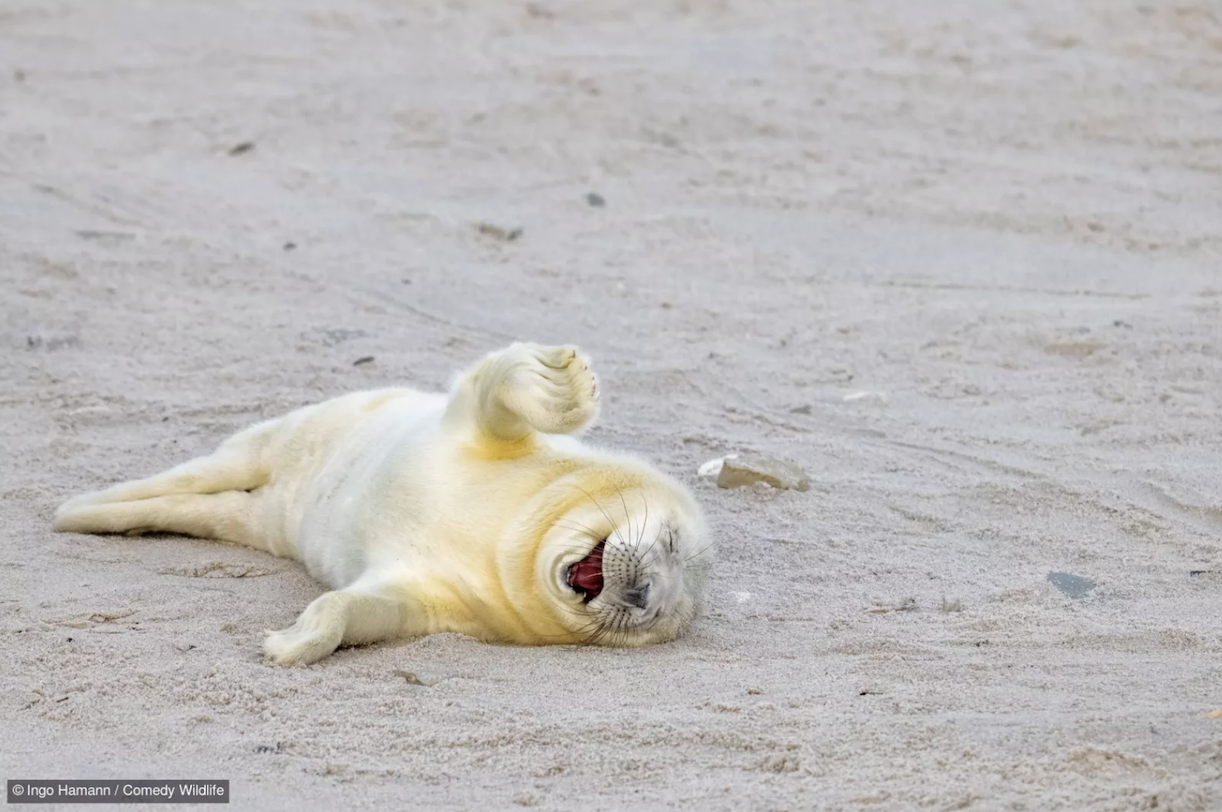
(638, 597)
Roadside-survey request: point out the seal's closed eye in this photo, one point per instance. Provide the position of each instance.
(586, 576)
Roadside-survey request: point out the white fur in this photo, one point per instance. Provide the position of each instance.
(428, 513)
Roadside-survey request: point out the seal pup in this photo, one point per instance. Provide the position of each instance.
(474, 511)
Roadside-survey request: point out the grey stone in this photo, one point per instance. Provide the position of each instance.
(499, 232)
(906, 605)
(1073, 586)
(748, 468)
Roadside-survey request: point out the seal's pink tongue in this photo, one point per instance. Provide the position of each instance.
(587, 574)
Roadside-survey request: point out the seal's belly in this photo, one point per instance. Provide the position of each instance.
(336, 465)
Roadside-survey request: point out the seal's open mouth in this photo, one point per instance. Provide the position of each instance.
(586, 576)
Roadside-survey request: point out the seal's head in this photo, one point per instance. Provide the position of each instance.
(623, 559)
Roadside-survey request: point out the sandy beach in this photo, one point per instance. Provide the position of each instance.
(960, 261)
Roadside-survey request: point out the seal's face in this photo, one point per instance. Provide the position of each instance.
(628, 570)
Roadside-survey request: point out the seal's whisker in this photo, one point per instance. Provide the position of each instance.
(593, 637)
(607, 626)
(627, 515)
(585, 527)
(614, 529)
(645, 521)
(652, 543)
(575, 613)
(577, 528)
(578, 632)
(698, 552)
(650, 562)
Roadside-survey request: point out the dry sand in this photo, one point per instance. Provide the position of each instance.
(1003, 221)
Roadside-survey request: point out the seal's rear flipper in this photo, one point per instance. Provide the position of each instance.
(229, 516)
(209, 497)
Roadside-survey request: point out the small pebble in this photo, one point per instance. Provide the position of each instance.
(412, 678)
(1075, 349)
(497, 232)
(595, 199)
(1073, 586)
(906, 605)
(737, 471)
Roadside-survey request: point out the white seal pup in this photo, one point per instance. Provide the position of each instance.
(428, 512)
